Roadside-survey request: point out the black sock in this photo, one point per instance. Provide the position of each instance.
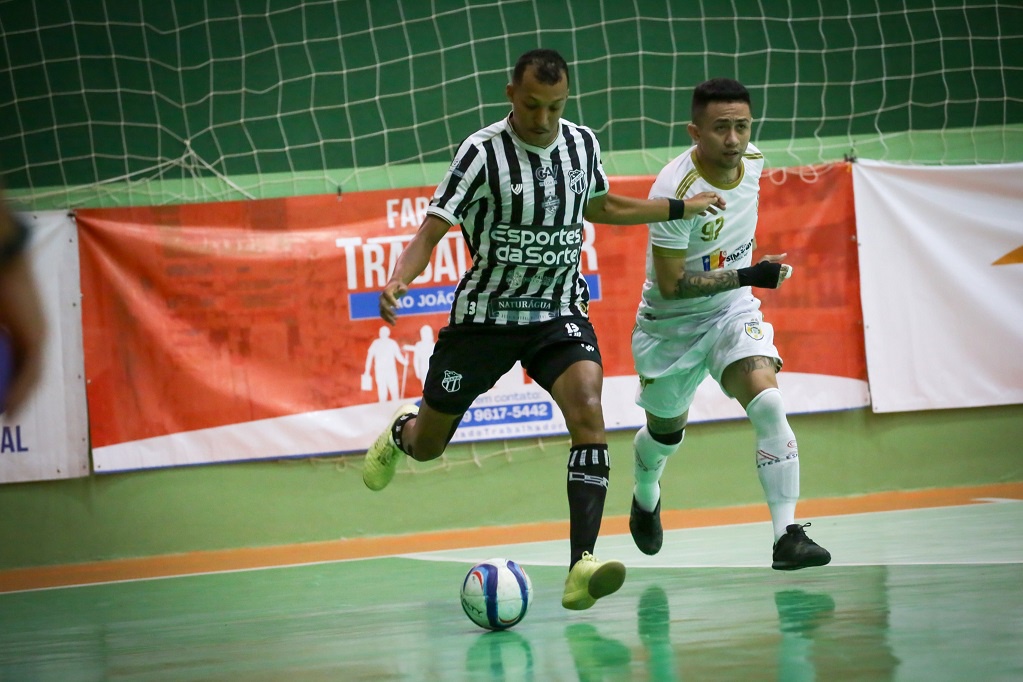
(588, 470)
(396, 431)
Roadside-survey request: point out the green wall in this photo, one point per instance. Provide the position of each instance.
(92, 91)
(289, 99)
(273, 503)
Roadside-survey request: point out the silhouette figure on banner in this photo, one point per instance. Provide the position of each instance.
(421, 352)
(382, 359)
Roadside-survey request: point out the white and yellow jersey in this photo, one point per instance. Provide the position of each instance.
(711, 242)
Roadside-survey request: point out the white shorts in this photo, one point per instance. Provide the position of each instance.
(673, 357)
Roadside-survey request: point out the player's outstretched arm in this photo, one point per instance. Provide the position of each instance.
(614, 209)
(674, 282)
(769, 273)
(413, 260)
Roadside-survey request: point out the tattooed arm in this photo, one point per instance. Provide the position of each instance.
(674, 282)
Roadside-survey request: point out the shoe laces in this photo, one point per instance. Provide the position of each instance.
(801, 534)
(587, 557)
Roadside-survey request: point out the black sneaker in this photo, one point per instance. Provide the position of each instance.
(794, 550)
(646, 528)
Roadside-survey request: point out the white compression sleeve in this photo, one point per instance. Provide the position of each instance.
(777, 457)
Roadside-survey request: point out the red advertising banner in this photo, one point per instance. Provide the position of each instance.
(247, 330)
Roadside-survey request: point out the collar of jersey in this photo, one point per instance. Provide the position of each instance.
(731, 185)
(519, 140)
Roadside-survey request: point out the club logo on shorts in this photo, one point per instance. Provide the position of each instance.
(452, 381)
(754, 331)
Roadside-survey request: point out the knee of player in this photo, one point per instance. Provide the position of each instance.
(587, 412)
(767, 403)
(669, 438)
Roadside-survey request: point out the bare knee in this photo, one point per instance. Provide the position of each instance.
(585, 419)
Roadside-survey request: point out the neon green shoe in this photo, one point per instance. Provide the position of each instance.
(383, 456)
(589, 580)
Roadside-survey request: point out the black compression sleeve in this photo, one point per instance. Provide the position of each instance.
(764, 275)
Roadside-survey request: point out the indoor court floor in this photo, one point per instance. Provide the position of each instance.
(920, 594)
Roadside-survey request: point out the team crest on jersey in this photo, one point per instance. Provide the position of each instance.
(452, 381)
(754, 331)
(577, 181)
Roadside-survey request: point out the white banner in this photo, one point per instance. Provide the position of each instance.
(941, 280)
(48, 439)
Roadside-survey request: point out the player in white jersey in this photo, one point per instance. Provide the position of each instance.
(699, 317)
(520, 189)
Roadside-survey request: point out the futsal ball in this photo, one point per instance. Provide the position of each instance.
(496, 594)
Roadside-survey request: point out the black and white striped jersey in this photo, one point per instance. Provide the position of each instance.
(521, 211)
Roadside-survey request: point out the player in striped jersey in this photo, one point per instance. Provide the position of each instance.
(520, 189)
(698, 316)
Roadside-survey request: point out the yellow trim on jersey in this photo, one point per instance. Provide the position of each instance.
(731, 185)
(686, 183)
(757, 155)
(665, 252)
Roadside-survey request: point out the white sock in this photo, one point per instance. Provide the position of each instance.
(777, 457)
(651, 456)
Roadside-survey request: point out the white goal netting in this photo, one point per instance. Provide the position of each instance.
(105, 102)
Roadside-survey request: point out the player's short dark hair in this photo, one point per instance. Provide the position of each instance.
(718, 90)
(547, 64)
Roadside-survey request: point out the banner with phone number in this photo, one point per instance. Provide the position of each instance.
(250, 330)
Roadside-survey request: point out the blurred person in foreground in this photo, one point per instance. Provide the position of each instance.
(22, 324)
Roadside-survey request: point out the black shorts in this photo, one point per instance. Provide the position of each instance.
(469, 359)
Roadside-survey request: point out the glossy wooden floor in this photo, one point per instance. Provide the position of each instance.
(928, 594)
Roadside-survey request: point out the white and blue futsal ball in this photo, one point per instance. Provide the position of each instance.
(496, 594)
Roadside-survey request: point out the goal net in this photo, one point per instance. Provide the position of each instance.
(113, 103)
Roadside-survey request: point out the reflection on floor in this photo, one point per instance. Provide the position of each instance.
(933, 594)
